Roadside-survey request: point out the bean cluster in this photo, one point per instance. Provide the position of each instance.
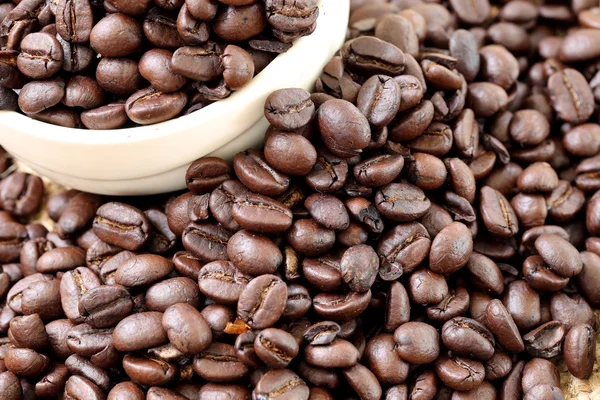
(106, 64)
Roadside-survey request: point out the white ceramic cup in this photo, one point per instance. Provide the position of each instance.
(153, 159)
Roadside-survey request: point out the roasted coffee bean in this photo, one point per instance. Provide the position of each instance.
(539, 372)
(28, 332)
(12, 235)
(262, 301)
(78, 214)
(290, 153)
(571, 310)
(341, 307)
(501, 323)
(401, 202)
(78, 365)
(451, 249)
(26, 363)
(139, 331)
(73, 285)
(468, 338)
(570, 95)
(540, 276)
(105, 306)
(344, 129)
(417, 342)
(455, 304)
(129, 40)
(21, 194)
(166, 293)
(373, 56)
(308, 238)
(289, 109)
(402, 249)
(426, 287)
(379, 99)
(379, 170)
(323, 272)
(278, 383)
(41, 56)
(560, 256)
(206, 241)
(328, 211)
(498, 366)
(143, 269)
(61, 259)
(222, 281)
(275, 347)
(126, 390)
(545, 341)
(256, 174)
(150, 106)
(52, 384)
(363, 211)
(459, 373)
(253, 254)
(497, 214)
(218, 363)
(580, 351)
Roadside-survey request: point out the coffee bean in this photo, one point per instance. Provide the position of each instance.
(344, 129)
(282, 382)
(426, 287)
(571, 310)
(402, 249)
(240, 249)
(61, 259)
(289, 109)
(498, 216)
(579, 46)
(78, 365)
(143, 269)
(417, 342)
(451, 249)
(149, 106)
(467, 337)
(21, 194)
(28, 332)
(139, 331)
(308, 238)
(290, 153)
(262, 301)
(373, 56)
(26, 363)
(78, 387)
(126, 390)
(545, 341)
(539, 372)
(359, 266)
(501, 323)
(379, 170)
(41, 56)
(341, 307)
(218, 363)
(52, 384)
(580, 351)
(164, 294)
(571, 96)
(401, 202)
(459, 373)
(455, 304)
(256, 174)
(206, 241)
(129, 41)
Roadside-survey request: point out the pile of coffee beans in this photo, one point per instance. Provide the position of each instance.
(425, 226)
(113, 63)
